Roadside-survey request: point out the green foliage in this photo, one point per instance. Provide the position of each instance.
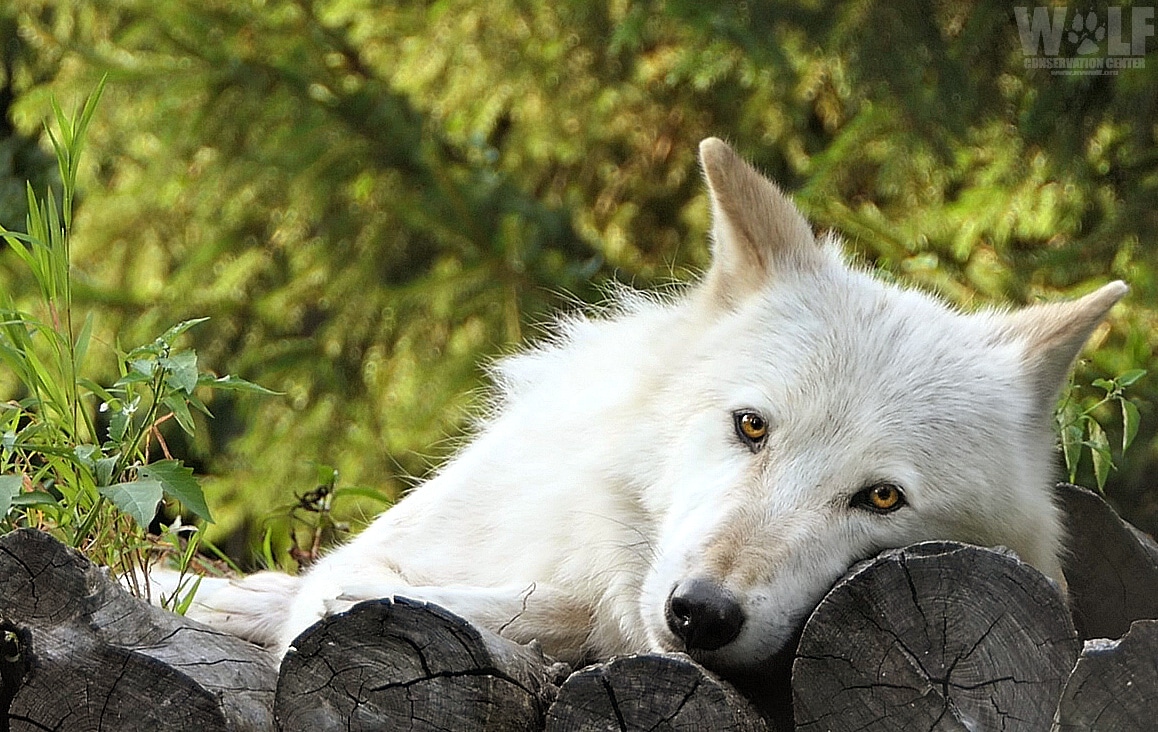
(1078, 425)
(95, 486)
(370, 199)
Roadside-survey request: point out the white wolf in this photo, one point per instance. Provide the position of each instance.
(693, 472)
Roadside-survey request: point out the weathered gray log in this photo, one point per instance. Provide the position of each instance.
(661, 692)
(1111, 567)
(80, 653)
(1114, 685)
(939, 636)
(407, 665)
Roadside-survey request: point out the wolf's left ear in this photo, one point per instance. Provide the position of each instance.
(1054, 334)
(756, 229)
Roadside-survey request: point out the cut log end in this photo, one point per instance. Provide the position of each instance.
(388, 664)
(936, 635)
(1114, 685)
(1111, 567)
(81, 653)
(661, 692)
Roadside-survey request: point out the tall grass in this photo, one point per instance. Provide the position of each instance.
(86, 462)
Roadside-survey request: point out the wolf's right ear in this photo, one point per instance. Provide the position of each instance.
(756, 229)
(1054, 333)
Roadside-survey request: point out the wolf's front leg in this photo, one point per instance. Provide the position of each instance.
(522, 613)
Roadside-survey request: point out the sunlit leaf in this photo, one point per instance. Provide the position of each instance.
(1130, 377)
(82, 342)
(10, 486)
(182, 370)
(170, 336)
(1099, 446)
(138, 498)
(187, 599)
(180, 409)
(234, 383)
(178, 482)
(1130, 421)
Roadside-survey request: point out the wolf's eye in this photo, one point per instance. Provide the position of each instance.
(881, 498)
(751, 427)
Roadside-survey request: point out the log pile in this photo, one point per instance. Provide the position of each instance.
(404, 664)
(80, 653)
(933, 636)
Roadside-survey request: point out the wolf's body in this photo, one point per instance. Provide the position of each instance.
(693, 472)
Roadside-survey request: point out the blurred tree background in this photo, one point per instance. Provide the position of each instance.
(372, 199)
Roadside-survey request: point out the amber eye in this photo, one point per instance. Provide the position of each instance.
(882, 498)
(751, 427)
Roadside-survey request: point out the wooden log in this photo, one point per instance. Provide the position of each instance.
(1111, 567)
(1114, 685)
(661, 692)
(80, 653)
(406, 665)
(939, 636)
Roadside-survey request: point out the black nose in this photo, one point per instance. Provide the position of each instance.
(704, 614)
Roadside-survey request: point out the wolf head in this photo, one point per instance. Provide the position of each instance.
(822, 416)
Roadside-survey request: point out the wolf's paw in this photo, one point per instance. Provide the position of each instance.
(1086, 33)
(341, 604)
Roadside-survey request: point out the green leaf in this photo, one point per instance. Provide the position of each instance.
(1130, 421)
(1130, 377)
(143, 366)
(16, 241)
(65, 128)
(90, 105)
(180, 410)
(187, 600)
(148, 352)
(199, 405)
(104, 469)
(95, 388)
(1070, 430)
(45, 381)
(118, 425)
(136, 377)
(34, 498)
(10, 486)
(178, 482)
(177, 330)
(326, 475)
(84, 454)
(1099, 446)
(370, 493)
(234, 383)
(1104, 385)
(267, 557)
(138, 498)
(182, 370)
(82, 341)
(1072, 449)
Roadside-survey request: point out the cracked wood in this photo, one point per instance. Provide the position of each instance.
(80, 653)
(660, 692)
(935, 636)
(407, 665)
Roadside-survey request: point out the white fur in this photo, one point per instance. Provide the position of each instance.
(610, 469)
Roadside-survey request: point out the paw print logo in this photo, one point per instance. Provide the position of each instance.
(1085, 33)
